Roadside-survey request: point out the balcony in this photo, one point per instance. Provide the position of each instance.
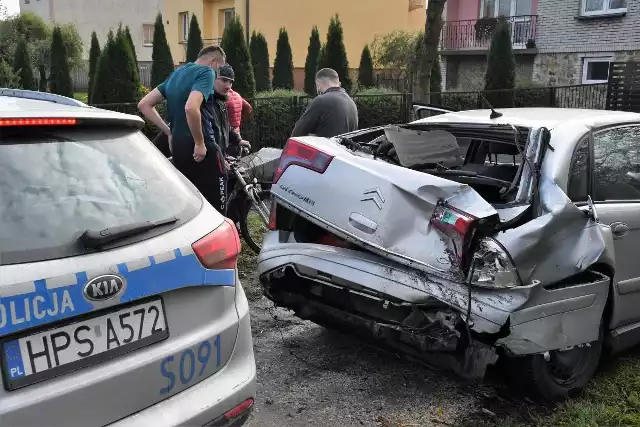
(473, 36)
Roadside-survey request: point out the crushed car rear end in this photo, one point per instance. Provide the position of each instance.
(456, 262)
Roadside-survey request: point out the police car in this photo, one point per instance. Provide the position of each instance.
(120, 302)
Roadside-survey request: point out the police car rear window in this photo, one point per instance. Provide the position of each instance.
(57, 183)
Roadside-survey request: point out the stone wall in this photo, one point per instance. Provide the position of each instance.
(562, 69)
(463, 72)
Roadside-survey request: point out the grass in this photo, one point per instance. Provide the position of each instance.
(81, 96)
(248, 259)
(611, 400)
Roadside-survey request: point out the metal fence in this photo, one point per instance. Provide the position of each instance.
(476, 34)
(80, 77)
(577, 96)
(274, 118)
(623, 91)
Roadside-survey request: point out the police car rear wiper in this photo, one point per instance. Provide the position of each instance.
(95, 239)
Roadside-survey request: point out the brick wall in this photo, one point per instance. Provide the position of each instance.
(559, 31)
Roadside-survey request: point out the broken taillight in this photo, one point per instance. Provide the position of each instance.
(297, 153)
(272, 225)
(457, 225)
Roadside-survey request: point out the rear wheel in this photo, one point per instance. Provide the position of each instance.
(558, 374)
(252, 220)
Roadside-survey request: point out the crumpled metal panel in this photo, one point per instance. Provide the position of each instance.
(561, 242)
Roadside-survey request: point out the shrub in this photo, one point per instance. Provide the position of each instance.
(501, 67)
(94, 56)
(60, 79)
(42, 82)
(275, 113)
(194, 42)
(235, 46)
(311, 63)
(22, 66)
(116, 79)
(132, 46)
(335, 55)
(8, 78)
(321, 56)
(380, 107)
(365, 70)
(162, 62)
(283, 64)
(259, 51)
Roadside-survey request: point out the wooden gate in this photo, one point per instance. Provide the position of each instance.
(623, 91)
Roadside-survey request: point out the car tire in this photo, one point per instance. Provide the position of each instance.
(561, 375)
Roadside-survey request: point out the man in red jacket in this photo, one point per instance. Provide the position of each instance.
(236, 106)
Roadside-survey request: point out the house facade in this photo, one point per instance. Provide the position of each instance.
(556, 42)
(101, 16)
(362, 21)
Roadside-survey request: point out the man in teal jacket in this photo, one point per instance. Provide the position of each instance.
(190, 133)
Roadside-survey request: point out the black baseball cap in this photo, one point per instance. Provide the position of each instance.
(226, 72)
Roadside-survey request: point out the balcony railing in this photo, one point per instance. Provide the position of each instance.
(476, 34)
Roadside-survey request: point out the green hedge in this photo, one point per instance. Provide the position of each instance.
(275, 114)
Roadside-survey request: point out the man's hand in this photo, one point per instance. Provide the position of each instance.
(245, 144)
(170, 139)
(199, 152)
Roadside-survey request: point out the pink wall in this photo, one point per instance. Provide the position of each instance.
(461, 10)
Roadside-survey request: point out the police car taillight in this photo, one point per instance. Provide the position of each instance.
(38, 122)
(306, 156)
(219, 249)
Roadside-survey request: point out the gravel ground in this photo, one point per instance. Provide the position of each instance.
(312, 376)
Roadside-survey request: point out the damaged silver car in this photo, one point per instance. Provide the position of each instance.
(467, 238)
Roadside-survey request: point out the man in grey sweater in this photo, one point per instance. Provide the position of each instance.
(331, 113)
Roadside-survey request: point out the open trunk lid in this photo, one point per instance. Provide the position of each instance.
(381, 207)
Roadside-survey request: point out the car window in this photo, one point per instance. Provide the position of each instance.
(616, 155)
(54, 185)
(578, 188)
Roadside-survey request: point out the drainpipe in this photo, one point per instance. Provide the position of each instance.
(247, 6)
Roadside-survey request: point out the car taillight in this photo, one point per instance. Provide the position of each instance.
(272, 216)
(219, 249)
(297, 153)
(38, 122)
(457, 225)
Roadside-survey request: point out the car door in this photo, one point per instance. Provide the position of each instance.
(614, 186)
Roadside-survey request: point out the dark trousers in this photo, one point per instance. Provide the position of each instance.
(209, 176)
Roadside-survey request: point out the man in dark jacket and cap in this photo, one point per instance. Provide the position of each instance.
(332, 112)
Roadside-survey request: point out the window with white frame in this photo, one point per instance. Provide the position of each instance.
(147, 34)
(596, 70)
(495, 8)
(603, 7)
(183, 19)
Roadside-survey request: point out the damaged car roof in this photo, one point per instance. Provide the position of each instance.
(537, 117)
